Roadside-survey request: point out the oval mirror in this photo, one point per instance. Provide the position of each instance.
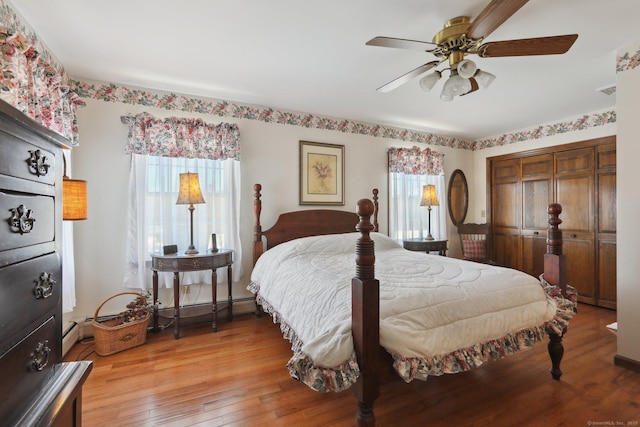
(458, 197)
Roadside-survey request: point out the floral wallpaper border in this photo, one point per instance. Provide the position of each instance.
(110, 92)
(571, 125)
(628, 61)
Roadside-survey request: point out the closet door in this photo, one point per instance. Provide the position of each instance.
(582, 178)
(575, 192)
(606, 225)
(537, 194)
(505, 212)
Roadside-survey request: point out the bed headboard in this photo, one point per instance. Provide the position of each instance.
(304, 223)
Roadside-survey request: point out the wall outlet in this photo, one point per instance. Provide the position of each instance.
(483, 213)
(187, 289)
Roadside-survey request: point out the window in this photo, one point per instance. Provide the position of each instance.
(162, 149)
(409, 170)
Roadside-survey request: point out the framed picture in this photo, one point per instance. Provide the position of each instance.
(321, 174)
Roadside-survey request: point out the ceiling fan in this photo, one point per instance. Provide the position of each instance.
(460, 37)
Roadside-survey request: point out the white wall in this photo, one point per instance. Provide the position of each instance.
(269, 156)
(628, 268)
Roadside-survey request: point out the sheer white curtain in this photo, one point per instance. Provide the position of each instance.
(409, 170)
(160, 150)
(409, 220)
(155, 220)
(68, 259)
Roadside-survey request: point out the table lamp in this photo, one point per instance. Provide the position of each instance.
(429, 198)
(190, 194)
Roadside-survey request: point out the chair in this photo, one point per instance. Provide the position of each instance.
(474, 240)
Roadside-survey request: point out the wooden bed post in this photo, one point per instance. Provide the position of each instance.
(555, 273)
(365, 292)
(375, 210)
(257, 228)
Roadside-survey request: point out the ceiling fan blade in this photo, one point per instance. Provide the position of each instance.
(492, 16)
(474, 86)
(408, 76)
(554, 45)
(401, 44)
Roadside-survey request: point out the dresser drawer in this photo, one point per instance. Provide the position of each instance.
(26, 367)
(22, 159)
(26, 220)
(29, 291)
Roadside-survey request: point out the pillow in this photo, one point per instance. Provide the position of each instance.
(474, 250)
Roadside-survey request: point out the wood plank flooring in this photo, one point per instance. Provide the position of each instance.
(237, 377)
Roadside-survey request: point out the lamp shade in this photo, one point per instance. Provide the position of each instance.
(189, 193)
(456, 85)
(466, 68)
(74, 199)
(484, 79)
(429, 196)
(429, 81)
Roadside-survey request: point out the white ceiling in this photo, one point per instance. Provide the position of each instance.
(311, 56)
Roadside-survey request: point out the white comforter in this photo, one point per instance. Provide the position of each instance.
(429, 305)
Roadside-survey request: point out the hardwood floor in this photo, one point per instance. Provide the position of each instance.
(237, 377)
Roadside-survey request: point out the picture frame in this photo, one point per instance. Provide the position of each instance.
(321, 173)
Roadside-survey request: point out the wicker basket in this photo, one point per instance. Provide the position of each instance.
(112, 336)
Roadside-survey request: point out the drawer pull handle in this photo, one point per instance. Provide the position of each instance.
(38, 163)
(44, 286)
(573, 236)
(22, 219)
(40, 356)
(535, 233)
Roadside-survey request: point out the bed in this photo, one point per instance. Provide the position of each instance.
(423, 314)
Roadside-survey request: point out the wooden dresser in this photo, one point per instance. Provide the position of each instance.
(36, 387)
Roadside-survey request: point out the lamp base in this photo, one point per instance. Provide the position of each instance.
(429, 237)
(191, 250)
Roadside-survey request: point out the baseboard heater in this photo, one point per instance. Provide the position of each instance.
(69, 337)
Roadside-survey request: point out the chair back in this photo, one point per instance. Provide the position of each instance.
(474, 239)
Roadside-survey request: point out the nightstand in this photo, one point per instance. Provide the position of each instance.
(427, 246)
(180, 263)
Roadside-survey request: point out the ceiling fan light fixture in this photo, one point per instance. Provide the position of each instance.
(483, 78)
(456, 85)
(466, 68)
(444, 97)
(429, 81)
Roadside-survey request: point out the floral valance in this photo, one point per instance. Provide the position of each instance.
(414, 161)
(181, 137)
(31, 82)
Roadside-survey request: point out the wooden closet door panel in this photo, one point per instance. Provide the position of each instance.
(606, 201)
(607, 276)
(533, 249)
(506, 249)
(537, 191)
(575, 194)
(536, 196)
(505, 212)
(607, 214)
(580, 255)
(505, 194)
(575, 161)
